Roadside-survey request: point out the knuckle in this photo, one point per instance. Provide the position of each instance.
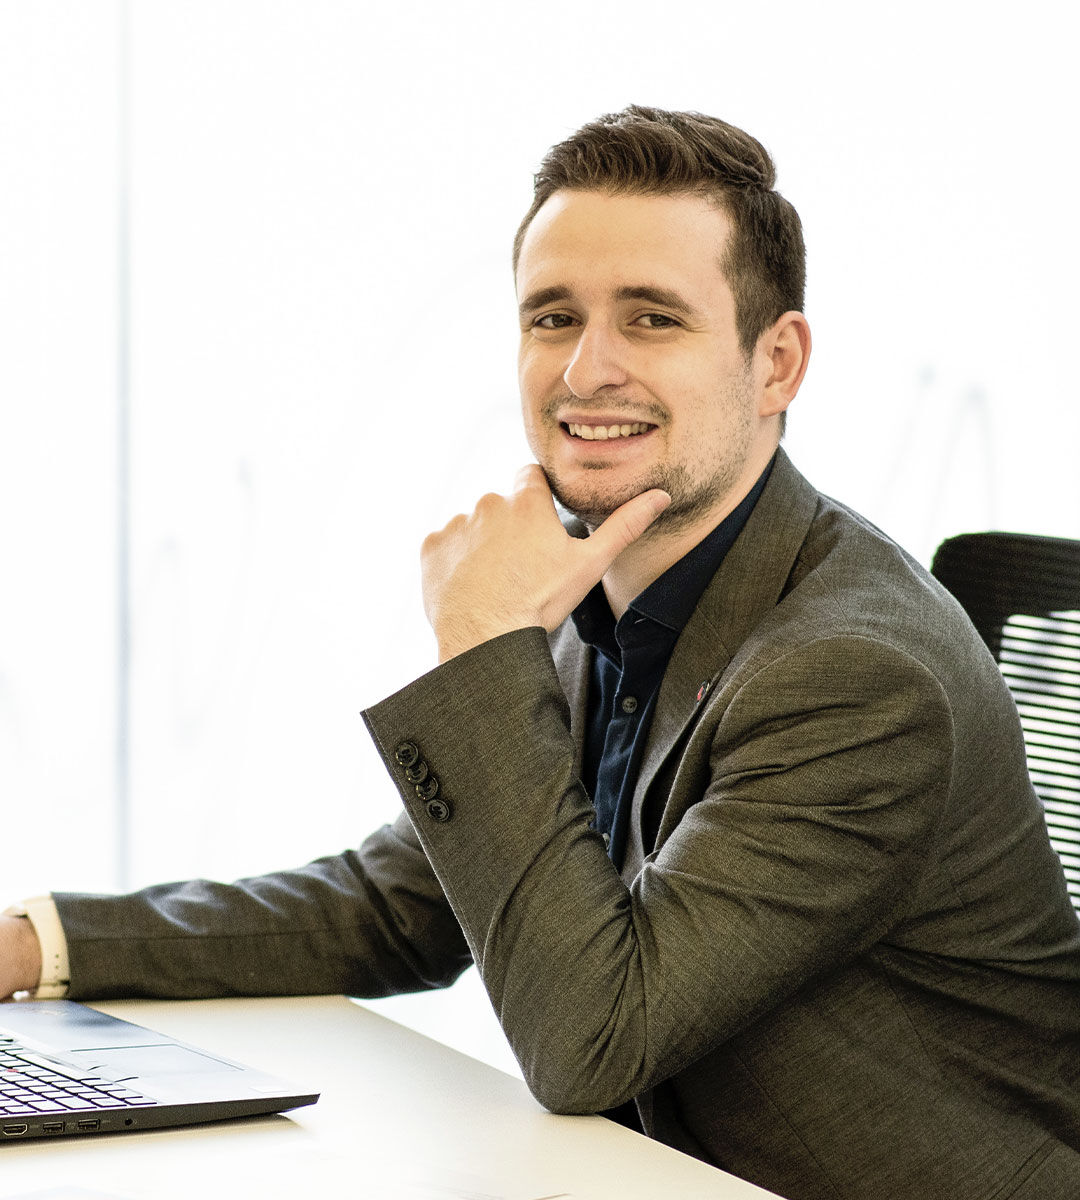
(436, 538)
(489, 502)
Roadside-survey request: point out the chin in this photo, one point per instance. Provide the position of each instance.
(593, 506)
(691, 500)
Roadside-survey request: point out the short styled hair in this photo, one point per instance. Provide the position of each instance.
(654, 152)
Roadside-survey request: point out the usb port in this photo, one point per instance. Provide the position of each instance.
(89, 1126)
(52, 1127)
(14, 1130)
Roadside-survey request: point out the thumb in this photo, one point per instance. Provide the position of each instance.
(626, 524)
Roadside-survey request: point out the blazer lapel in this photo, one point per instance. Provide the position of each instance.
(748, 584)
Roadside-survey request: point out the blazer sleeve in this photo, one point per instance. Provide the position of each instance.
(369, 922)
(803, 821)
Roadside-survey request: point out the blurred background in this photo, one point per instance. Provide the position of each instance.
(257, 339)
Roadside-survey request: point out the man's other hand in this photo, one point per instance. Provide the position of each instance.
(20, 956)
(511, 564)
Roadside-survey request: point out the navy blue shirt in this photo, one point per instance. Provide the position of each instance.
(628, 665)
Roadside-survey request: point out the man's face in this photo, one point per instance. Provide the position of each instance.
(630, 368)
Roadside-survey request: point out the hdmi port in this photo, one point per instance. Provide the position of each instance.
(14, 1130)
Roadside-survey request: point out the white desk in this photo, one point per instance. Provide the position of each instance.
(401, 1118)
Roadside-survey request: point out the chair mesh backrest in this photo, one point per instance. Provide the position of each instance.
(1023, 595)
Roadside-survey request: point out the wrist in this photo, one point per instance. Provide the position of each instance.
(25, 949)
(459, 637)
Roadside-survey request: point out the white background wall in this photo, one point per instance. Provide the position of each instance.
(321, 350)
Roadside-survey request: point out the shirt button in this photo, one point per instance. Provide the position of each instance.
(629, 705)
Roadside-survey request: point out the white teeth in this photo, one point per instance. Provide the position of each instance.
(602, 433)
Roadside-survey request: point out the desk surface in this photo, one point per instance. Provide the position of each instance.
(401, 1117)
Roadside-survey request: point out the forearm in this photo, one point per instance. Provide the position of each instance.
(545, 913)
(371, 922)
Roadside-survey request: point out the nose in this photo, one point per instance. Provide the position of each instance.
(597, 362)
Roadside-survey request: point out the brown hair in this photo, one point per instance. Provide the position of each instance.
(650, 151)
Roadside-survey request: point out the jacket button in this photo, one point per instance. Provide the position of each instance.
(418, 772)
(429, 789)
(438, 810)
(406, 754)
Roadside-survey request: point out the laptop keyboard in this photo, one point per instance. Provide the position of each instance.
(32, 1086)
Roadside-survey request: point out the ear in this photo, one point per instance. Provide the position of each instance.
(783, 352)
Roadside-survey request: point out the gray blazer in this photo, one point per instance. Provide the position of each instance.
(839, 961)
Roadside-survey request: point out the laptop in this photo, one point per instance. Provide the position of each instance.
(66, 1069)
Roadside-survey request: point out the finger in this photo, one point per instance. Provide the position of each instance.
(626, 524)
(531, 475)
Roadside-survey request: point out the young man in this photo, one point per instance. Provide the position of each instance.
(722, 794)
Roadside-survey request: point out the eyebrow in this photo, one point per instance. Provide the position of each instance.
(656, 295)
(663, 297)
(541, 297)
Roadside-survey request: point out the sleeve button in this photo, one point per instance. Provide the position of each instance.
(418, 772)
(429, 789)
(406, 754)
(438, 810)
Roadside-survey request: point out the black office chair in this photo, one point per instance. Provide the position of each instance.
(1023, 595)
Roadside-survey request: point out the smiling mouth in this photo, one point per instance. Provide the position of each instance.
(603, 433)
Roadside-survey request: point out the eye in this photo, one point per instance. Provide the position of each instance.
(554, 321)
(657, 321)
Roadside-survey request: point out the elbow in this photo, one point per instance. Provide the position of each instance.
(563, 1101)
(578, 1054)
(571, 1090)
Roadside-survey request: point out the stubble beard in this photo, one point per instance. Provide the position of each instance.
(690, 500)
(693, 495)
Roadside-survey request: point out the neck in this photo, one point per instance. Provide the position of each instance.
(660, 547)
